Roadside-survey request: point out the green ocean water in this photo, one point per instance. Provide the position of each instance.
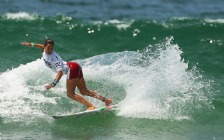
(167, 77)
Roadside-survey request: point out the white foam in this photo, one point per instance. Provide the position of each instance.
(120, 24)
(156, 80)
(20, 16)
(19, 96)
(209, 20)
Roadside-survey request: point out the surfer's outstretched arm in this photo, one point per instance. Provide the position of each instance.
(41, 46)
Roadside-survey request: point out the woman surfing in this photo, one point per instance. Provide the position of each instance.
(74, 74)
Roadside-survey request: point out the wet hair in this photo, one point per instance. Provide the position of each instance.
(48, 41)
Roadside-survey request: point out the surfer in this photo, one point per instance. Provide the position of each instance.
(74, 74)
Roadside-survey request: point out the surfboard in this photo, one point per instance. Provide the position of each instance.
(88, 112)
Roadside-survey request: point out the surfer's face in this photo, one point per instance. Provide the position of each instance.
(48, 48)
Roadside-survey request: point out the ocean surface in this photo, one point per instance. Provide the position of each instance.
(161, 61)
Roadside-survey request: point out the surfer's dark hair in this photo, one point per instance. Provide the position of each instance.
(48, 41)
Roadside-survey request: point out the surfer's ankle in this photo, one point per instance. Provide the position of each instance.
(108, 101)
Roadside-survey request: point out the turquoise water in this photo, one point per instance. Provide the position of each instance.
(163, 67)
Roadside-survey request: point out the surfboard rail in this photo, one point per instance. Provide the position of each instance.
(88, 112)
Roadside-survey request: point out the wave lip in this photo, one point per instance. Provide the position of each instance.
(20, 16)
(209, 20)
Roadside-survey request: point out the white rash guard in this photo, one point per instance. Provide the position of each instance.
(54, 62)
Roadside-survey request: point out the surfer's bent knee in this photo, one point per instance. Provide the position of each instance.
(70, 94)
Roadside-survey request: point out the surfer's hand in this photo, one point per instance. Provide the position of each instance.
(26, 44)
(49, 86)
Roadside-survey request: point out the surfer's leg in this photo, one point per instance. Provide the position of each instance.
(84, 91)
(71, 85)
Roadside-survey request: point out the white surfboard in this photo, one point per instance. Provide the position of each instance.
(88, 112)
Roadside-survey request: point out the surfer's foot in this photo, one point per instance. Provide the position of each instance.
(91, 108)
(108, 101)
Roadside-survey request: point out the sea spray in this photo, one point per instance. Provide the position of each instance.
(166, 88)
(157, 83)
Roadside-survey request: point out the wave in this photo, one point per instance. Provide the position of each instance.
(153, 83)
(125, 22)
(158, 83)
